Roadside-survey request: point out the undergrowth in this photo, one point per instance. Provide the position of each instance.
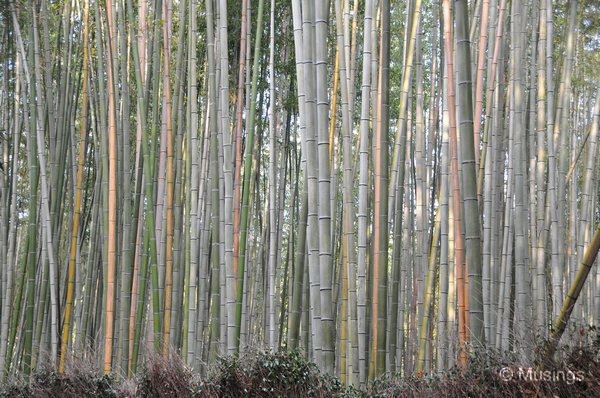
(576, 373)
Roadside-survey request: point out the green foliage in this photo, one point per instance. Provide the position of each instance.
(268, 374)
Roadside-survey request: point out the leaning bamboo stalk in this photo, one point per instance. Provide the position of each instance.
(247, 173)
(149, 240)
(48, 247)
(565, 313)
(78, 193)
(215, 313)
(29, 273)
(397, 185)
(400, 140)
(490, 90)
(239, 107)
(483, 38)
(8, 310)
(424, 331)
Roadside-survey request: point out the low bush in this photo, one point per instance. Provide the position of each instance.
(79, 380)
(268, 374)
(489, 374)
(164, 376)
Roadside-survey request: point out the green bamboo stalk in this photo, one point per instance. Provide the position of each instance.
(192, 169)
(469, 176)
(248, 155)
(32, 244)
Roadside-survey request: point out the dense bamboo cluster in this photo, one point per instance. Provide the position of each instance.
(385, 186)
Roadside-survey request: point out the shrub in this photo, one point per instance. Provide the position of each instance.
(164, 376)
(575, 374)
(269, 374)
(77, 381)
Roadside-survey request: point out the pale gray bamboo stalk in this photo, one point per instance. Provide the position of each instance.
(531, 139)
(225, 128)
(363, 188)
(272, 183)
(215, 323)
(443, 337)
(282, 271)
(194, 192)
(540, 291)
(348, 203)
(562, 139)
(48, 246)
(324, 185)
(420, 204)
(11, 258)
(407, 304)
(205, 209)
(497, 155)
(572, 227)
(452, 292)
(503, 314)
(517, 153)
(304, 20)
(551, 195)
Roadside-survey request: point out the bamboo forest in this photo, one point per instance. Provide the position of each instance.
(383, 187)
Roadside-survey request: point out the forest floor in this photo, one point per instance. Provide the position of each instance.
(265, 374)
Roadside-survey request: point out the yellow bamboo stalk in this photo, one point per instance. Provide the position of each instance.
(112, 199)
(78, 192)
